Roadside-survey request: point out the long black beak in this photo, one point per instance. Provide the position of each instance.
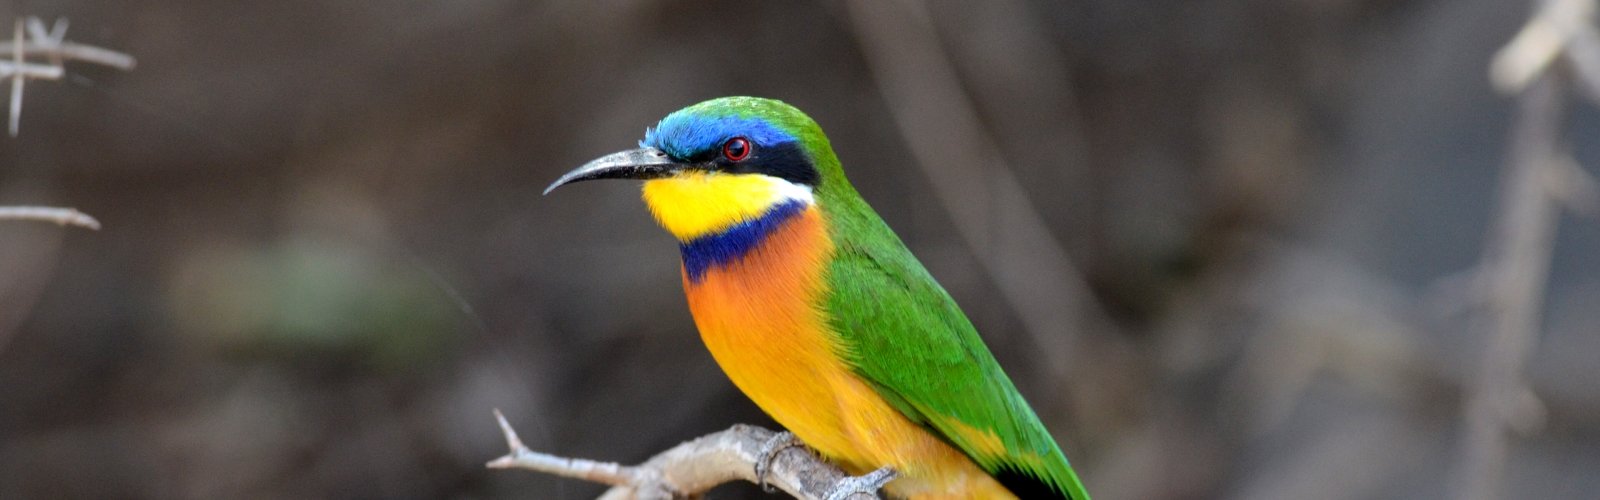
(642, 163)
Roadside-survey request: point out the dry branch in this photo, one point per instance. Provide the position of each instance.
(62, 216)
(697, 466)
(1555, 51)
(52, 44)
(1560, 30)
(31, 40)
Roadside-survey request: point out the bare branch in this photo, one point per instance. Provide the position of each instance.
(9, 69)
(1539, 178)
(694, 467)
(62, 216)
(50, 44)
(76, 52)
(521, 457)
(1549, 34)
(18, 77)
(1517, 264)
(53, 44)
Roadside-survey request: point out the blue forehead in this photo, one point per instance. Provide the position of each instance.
(686, 135)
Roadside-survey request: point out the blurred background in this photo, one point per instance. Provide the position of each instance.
(1220, 245)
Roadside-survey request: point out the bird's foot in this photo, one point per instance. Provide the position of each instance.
(769, 451)
(867, 484)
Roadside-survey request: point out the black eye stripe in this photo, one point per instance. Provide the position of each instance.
(783, 160)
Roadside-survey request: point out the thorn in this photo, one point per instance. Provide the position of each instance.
(36, 30)
(1573, 187)
(58, 31)
(512, 441)
(80, 219)
(1526, 414)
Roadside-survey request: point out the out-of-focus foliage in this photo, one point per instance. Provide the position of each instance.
(325, 258)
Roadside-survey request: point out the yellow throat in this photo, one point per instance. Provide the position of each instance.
(692, 204)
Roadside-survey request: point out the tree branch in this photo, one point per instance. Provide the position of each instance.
(35, 41)
(62, 216)
(691, 468)
(1539, 178)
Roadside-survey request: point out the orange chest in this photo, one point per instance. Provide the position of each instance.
(759, 315)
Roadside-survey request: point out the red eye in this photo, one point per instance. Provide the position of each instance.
(736, 149)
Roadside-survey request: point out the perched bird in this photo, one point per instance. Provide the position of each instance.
(818, 312)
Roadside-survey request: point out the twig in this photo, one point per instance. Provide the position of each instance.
(1539, 44)
(35, 41)
(53, 44)
(62, 216)
(1539, 178)
(1516, 261)
(18, 77)
(688, 469)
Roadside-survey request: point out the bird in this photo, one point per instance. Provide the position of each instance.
(818, 312)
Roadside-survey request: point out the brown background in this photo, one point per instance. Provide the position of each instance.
(325, 257)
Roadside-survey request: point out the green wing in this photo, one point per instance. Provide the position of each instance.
(907, 337)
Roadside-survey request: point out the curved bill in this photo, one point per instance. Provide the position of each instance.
(642, 163)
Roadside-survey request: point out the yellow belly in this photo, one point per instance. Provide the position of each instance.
(760, 320)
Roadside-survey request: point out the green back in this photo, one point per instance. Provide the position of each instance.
(909, 339)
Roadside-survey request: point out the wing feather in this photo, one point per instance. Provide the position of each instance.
(907, 337)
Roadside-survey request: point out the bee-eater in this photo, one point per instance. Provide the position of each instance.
(818, 312)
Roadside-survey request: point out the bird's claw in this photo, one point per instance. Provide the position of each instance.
(867, 484)
(769, 452)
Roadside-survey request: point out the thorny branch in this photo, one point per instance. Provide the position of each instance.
(1558, 49)
(36, 42)
(697, 466)
(31, 40)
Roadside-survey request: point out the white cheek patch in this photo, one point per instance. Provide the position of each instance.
(785, 190)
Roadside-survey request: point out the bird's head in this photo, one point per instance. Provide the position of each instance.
(721, 162)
